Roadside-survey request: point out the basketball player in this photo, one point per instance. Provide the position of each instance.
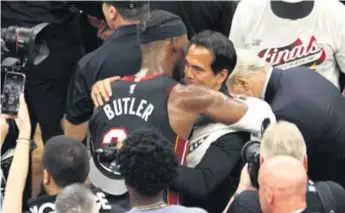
(152, 98)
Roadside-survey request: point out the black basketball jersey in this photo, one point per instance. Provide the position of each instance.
(134, 105)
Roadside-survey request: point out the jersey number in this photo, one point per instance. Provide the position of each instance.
(114, 135)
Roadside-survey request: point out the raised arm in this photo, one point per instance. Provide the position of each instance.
(202, 101)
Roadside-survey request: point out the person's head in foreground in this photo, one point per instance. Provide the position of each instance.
(76, 198)
(210, 59)
(65, 161)
(283, 185)
(120, 13)
(163, 38)
(249, 76)
(148, 164)
(283, 138)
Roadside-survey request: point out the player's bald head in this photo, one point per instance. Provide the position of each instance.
(282, 179)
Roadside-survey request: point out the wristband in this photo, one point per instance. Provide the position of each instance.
(24, 139)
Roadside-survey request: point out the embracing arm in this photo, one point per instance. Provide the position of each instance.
(207, 102)
(200, 181)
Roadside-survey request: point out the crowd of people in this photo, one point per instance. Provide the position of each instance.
(150, 106)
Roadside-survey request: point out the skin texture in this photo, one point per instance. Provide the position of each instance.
(198, 68)
(250, 84)
(283, 181)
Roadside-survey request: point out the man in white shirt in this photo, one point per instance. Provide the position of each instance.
(290, 33)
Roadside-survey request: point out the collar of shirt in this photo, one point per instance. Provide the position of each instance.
(298, 211)
(124, 31)
(269, 73)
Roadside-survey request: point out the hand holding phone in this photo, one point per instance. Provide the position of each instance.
(14, 85)
(22, 118)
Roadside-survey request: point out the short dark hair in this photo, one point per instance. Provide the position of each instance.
(147, 162)
(66, 160)
(132, 10)
(223, 50)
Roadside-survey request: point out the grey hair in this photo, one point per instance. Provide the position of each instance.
(76, 198)
(248, 61)
(283, 138)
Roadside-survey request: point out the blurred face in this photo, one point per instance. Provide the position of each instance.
(197, 69)
(175, 53)
(250, 85)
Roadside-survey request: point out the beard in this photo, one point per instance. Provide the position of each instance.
(178, 71)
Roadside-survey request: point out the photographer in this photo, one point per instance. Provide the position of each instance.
(47, 83)
(279, 139)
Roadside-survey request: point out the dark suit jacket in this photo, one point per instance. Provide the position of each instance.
(201, 15)
(306, 98)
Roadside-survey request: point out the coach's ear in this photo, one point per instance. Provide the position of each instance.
(238, 84)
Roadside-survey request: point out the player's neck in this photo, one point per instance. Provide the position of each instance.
(152, 63)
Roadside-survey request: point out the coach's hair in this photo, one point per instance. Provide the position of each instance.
(147, 162)
(66, 160)
(283, 138)
(76, 198)
(223, 50)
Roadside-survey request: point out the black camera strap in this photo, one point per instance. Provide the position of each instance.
(326, 197)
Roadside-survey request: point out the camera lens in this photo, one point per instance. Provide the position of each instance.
(250, 149)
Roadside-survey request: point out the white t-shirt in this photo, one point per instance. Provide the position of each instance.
(316, 41)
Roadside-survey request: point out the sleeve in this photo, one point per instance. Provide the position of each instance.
(246, 202)
(79, 103)
(239, 24)
(339, 19)
(200, 181)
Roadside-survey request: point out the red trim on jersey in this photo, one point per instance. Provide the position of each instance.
(146, 78)
(181, 151)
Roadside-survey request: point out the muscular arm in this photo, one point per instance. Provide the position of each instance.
(198, 101)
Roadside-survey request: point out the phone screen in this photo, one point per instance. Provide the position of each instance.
(14, 85)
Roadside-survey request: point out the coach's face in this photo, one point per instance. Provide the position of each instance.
(198, 68)
(250, 84)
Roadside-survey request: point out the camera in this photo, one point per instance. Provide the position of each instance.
(21, 47)
(251, 154)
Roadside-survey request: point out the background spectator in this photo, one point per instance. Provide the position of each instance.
(76, 198)
(289, 33)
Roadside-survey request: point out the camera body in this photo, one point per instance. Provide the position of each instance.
(251, 154)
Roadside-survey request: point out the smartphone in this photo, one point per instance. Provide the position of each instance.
(14, 85)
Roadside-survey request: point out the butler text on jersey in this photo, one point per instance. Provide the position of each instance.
(128, 106)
